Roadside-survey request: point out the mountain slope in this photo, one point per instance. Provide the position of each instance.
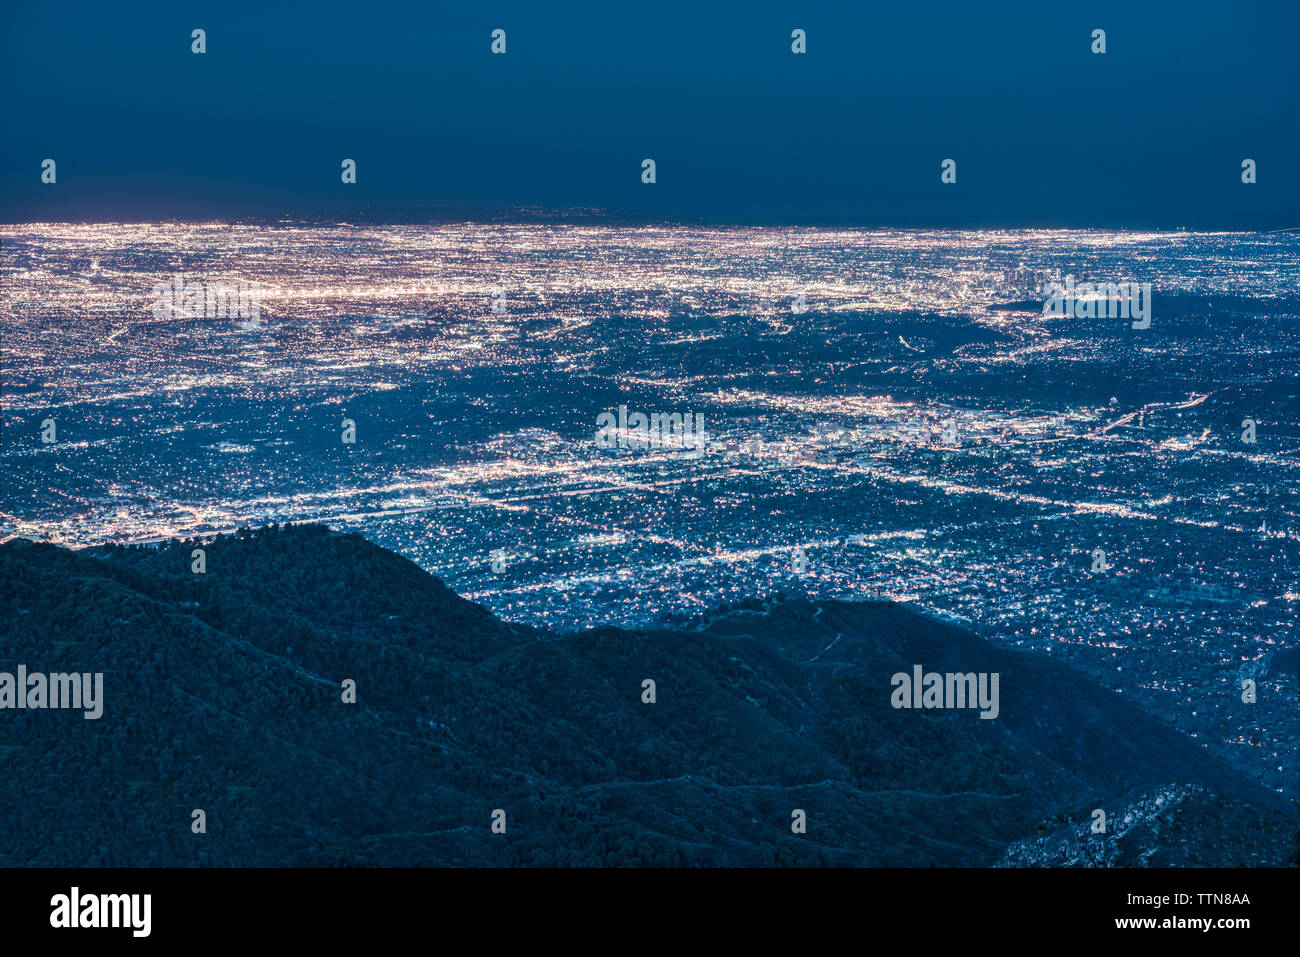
(223, 692)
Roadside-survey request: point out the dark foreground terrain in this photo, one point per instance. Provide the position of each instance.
(223, 692)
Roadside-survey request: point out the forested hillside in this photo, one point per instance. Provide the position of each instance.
(224, 691)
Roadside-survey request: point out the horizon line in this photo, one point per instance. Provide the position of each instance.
(631, 223)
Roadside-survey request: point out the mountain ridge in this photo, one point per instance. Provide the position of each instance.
(223, 693)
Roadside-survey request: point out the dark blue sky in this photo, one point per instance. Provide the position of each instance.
(1044, 132)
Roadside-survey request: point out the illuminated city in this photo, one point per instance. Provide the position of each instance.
(887, 413)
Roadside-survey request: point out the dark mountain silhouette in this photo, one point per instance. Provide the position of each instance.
(223, 692)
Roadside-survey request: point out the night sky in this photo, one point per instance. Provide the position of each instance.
(1044, 132)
